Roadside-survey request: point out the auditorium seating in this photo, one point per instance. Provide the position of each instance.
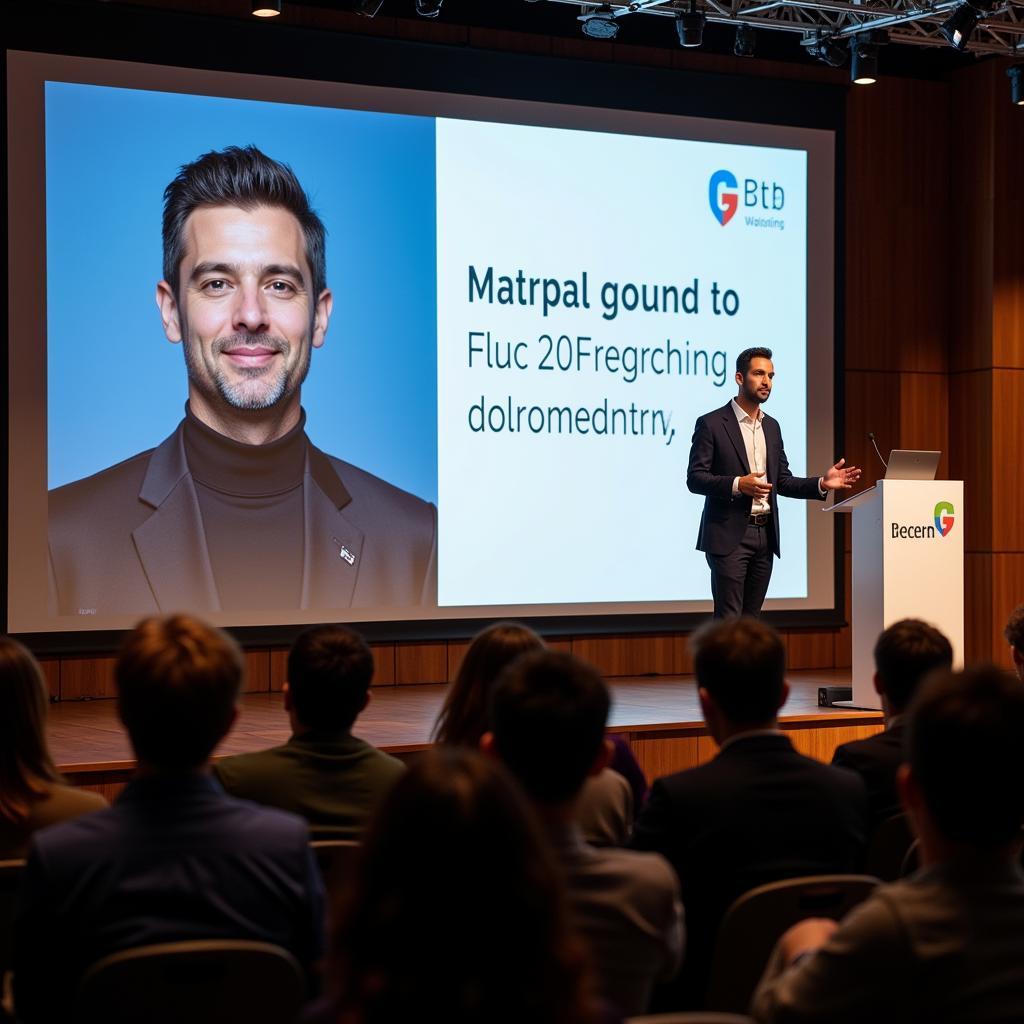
(888, 848)
(753, 924)
(335, 858)
(203, 982)
(699, 1017)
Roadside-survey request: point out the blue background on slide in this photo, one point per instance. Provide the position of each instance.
(116, 386)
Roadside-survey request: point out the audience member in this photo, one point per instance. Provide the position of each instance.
(605, 810)
(548, 715)
(945, 944)
(456, 910)
(1014, 633)
(904, 654)
(759, 811)
(323, 773)
(32, 794)
(173, 858)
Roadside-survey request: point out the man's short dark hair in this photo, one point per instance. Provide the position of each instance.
(1014, 631)
(742, 665)
(964, 747)
(904, 654)
(246, 178)
(330, 669)
(548, 713)
(744, 358)
(177, 680)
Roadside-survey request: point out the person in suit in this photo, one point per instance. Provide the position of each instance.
(1014, 633)
(323, 773)
(173, 858)
(739, 464)
(944, 944)
(905, 653)
(548, 716)
(32, 793)
(759, 811)
(237, 509)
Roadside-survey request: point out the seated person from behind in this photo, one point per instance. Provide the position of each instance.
(945, 944)
(173, 858)
(759, 811)
(605, 810)
(32, 794)
(904, 654)
(323, 773)
(548, 716)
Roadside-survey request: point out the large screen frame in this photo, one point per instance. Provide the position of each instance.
(396, 64)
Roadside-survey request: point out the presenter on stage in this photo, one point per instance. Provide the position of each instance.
(738, 462)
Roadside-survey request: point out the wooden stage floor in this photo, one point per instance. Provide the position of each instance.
(659, 716)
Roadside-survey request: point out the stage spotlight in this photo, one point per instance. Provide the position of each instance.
(746, 41)
(864, 57)
(690, 26)
(428, 8)
(600, 24)
(1016, 76)
(266, 8)
(957, 29)
(828, 51)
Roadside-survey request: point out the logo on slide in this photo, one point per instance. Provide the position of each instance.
(944, 514)
(723, 204)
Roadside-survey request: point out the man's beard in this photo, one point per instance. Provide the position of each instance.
(257, 389)
(753, 395)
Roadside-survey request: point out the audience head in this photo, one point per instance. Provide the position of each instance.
(548, 714)
(740, 666)
(904, 654)
(965, 757)
(178, 681)
(1014, 633)
(463, 718)
(330, 669)
(455, 909)
(25, 762)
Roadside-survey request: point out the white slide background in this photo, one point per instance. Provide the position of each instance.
(545, 518)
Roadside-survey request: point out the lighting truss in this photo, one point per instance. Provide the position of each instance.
(910, 22)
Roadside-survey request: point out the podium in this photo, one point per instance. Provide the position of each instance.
(908, 563)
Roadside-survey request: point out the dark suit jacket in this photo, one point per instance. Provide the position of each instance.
(717, 457)
(173, 859)
(129, 540)
(875, 760)
(334, 782)
(757, 813)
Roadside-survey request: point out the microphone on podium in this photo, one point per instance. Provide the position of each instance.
(871, 437)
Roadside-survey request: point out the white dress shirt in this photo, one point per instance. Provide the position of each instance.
(757, 453)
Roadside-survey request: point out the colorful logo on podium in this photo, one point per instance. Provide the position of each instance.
(723, 204)
(944, 515)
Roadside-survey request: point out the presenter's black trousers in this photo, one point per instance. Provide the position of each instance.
(739, 580)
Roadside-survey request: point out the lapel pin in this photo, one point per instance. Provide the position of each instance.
(344, 552)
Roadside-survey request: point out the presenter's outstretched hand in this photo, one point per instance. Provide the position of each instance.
(754, 485)
(840, 476)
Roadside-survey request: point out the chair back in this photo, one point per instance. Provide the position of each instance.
(202, 982)
(888, 848)
(694, 1017)
(754, 923)
(10, 879)
(335, 857)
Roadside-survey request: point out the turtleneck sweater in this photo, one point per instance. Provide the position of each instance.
(250, 500)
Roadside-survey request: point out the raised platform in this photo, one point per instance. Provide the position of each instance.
(659, 716)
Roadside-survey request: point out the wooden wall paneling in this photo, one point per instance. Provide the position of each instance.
(682, 655)
(924, 415)
(51, 673)
(278, 668)
(384, 661)
(821, 743)
(627, 655)
(421, 663)
(1007, 592)
(979, 625)
(257, 670)
(970, 452)
(1004, 492)
(843, 638)
(666, 753)
(87, 677)
(872, 405)
(971, 258)
(810, 649)
(897, 184)
(456, 652)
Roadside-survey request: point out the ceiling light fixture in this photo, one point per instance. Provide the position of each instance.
(746, 41)
(600, 24)
(266, 8)
(1016, 76)
(690, 26)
